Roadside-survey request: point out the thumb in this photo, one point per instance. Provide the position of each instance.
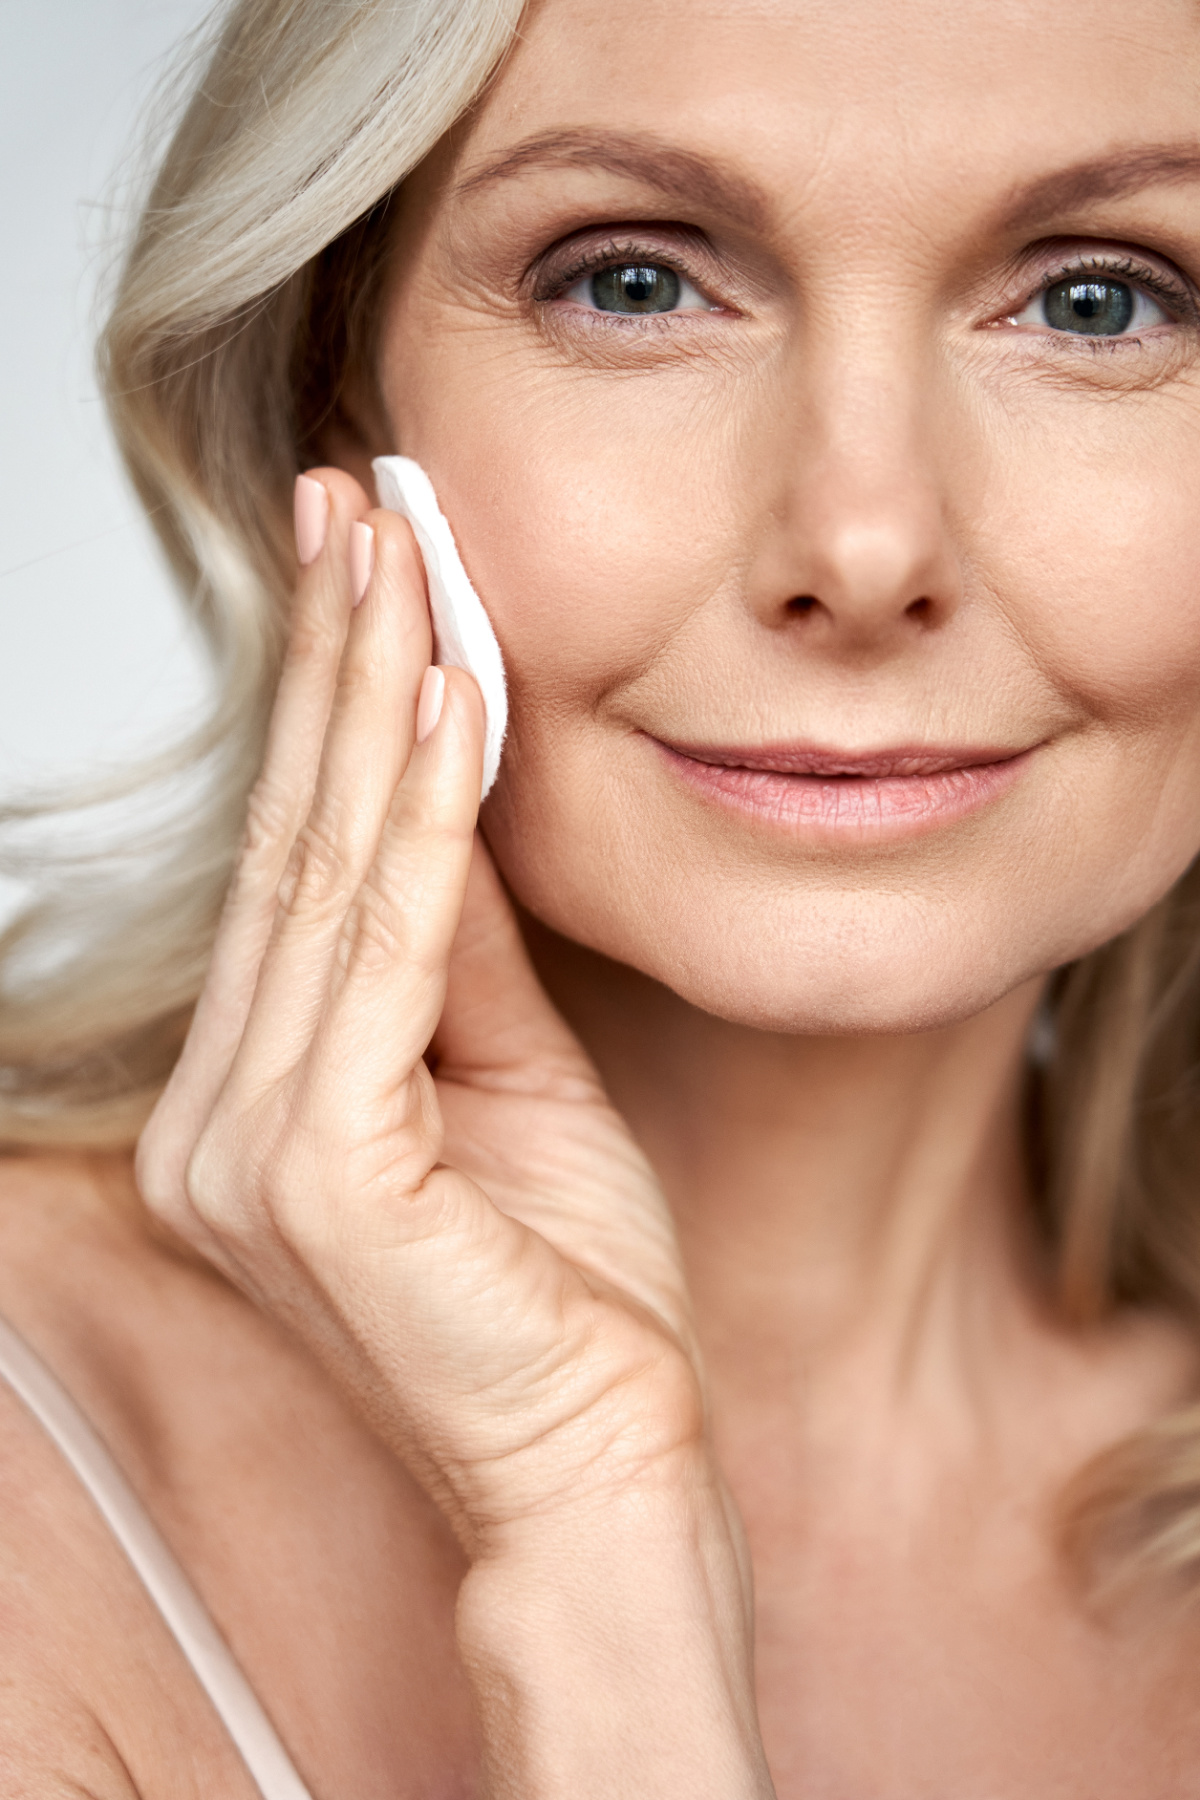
(498, 1027)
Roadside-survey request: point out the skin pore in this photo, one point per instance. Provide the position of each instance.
(853, 508)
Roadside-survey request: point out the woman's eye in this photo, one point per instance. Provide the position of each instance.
(1093, 306)
(637, 288)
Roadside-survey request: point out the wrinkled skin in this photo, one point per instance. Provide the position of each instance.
(672, 1228)
(997, 524)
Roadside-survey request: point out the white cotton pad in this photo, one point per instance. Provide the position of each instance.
(462, 631)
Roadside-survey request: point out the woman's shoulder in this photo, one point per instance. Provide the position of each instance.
(323, 1565)
(90, 1695)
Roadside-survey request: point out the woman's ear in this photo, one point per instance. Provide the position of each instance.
(352, 432)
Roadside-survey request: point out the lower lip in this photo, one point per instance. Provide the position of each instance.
(871, 809)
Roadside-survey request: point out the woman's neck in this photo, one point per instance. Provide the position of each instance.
(840, 1201)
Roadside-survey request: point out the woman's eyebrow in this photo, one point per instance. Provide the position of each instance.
(679, 175)
(688, 178)
(1103, 178)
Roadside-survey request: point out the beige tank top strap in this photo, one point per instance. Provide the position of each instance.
(182, 1610)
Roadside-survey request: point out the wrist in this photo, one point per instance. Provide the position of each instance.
(610, 1646)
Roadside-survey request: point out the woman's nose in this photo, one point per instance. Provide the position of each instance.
(863, 548)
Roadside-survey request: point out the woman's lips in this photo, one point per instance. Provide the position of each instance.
(880, 797)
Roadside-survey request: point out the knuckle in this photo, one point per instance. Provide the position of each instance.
(261, 856)
(269, 1183)
(315, 877)
(399, 553)
(202, 1175)
(267, 828)
(227, 1187)
(158, 1168)
(420, 822)
(356, 680)
(161, 1167)
(373, 938)
(313, 638)
(422, 882)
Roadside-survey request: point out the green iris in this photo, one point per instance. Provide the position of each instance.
(1099, 308)
(636, 288)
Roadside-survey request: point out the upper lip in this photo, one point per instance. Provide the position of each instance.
(878, 765)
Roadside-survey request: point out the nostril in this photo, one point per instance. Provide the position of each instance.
(802, 603)
(917, 609)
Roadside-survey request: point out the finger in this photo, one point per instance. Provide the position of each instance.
(367, 747)
(390, 981)
(282, 794)
(372, 721)
(278, 804)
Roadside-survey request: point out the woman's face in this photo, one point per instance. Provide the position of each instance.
(814, 389)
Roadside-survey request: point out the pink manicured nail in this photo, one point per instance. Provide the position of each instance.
(429, 705)
(312, 518)
(362, 558)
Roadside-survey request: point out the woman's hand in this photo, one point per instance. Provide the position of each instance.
(481, 1256)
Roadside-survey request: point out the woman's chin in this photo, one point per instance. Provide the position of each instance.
(860, 995)
(853, 970)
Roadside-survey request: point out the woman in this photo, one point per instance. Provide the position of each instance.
(691, 1288)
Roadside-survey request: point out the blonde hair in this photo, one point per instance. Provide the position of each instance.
(244, 299)
(237, 306)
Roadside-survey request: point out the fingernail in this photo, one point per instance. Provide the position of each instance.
(362, 558)
(429, 704)
(312, 518)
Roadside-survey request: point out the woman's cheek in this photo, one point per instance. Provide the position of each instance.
(1095, 556)
(603, 535)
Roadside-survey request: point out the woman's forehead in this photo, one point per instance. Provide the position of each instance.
(982, 91)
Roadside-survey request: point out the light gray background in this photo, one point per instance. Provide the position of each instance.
(96, 661)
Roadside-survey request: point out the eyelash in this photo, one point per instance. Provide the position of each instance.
(608, 256)
(1176, 296)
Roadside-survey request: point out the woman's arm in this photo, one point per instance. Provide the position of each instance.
(611, 1655)
(484, 1258)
